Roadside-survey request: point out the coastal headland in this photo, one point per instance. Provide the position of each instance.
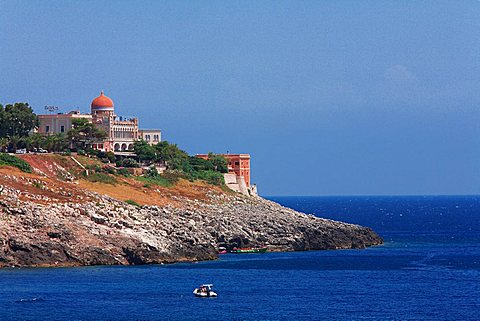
(54, 216)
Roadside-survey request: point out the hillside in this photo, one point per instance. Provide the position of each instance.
(56, 216)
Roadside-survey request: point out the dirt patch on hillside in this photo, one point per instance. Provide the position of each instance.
(131, 189)
(49, 165)
(40, 189)
(123, 192)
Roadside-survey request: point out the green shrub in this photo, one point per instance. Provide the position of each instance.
(109, 170)
(110, 156)
(94, 168)
(158, 180)
(165, 179)
(129, 162)
(93, 152)
(211, 177)
(100, 178)
(38, 185)
(152, 172)
(123, 171)
(10, 160)
(174, 176)
(132, 202)
(200, 164)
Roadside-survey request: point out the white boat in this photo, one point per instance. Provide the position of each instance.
(205, 291)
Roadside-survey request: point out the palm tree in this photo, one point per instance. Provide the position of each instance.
(60, 142)
(27, 142)
(14, 141)
(4, 144)
(37, 140)
(49, 142)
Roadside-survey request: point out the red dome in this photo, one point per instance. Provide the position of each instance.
(102, 102)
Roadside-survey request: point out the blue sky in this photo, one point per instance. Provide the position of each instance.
(329, 97)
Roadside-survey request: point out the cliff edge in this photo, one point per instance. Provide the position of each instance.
(48, 220)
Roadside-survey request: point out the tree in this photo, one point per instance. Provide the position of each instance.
(38, 140)
(174, 157)
(4, 141)
(219, 162)
(128, 162)
(144, 151)
(17, 120)
(83, 133)
(152, 172)
(110, 156)
(59, 142)
(14, 142)
(200, 164)
(26, 142)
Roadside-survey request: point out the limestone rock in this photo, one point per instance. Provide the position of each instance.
(67, 226)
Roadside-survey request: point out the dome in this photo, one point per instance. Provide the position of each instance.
(102, 102)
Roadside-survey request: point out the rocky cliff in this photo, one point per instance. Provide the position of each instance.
(48, 221)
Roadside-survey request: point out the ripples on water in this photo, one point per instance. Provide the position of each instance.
(429, 268)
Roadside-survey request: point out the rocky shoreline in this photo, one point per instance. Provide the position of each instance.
(94, 229)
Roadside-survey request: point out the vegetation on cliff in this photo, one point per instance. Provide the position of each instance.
(10, 160)
(17, 120)
(178, 161)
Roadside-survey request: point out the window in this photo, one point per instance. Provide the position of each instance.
(155, 138)
(62, 129)
(237, 163)
(147, 138)
(47, 129)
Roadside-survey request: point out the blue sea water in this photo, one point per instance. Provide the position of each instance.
(428, 269)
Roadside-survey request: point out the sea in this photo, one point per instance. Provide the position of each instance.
(428, 269)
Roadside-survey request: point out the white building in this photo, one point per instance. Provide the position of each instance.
(121, 132)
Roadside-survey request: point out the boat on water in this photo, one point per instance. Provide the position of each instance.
(222, 250)
(242, 250)
(205, 291)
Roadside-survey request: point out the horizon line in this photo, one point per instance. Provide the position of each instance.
(376, 195)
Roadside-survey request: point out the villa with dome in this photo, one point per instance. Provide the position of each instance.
(121, 132)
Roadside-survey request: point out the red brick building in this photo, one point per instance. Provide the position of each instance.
(238, 164)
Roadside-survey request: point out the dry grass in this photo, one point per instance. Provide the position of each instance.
(127, 188)
(12, 177)
(131, 189)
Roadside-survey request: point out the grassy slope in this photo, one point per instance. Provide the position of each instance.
(125, 188)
